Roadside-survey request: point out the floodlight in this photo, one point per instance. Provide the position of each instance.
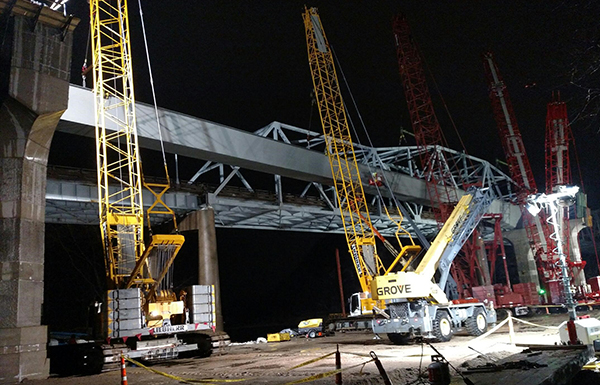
(57, 4)
(533, 208)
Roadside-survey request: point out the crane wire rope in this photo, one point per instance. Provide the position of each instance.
(401, 209)
(162, 146)
(84, 67)
(439, 92)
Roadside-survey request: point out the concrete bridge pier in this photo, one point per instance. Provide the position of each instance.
(575, 226)
(34, 77)
(525, 262)
(203, 221)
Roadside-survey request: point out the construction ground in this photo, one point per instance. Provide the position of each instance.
(272, 363)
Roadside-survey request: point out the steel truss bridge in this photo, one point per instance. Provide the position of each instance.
(292, 160)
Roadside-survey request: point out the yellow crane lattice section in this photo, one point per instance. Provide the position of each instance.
(340, 151)
(121, 210)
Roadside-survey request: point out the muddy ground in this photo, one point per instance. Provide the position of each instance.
(271, 363)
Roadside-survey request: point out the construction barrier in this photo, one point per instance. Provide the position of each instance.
(216, 381)
(511, 330)
(123, 371)
(180, 379)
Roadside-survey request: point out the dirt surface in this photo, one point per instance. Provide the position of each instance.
(271, 363)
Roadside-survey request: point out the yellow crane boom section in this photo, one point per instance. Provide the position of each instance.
(342, 159)
(128, 262)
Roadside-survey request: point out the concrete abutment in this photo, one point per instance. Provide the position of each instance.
(36, 59)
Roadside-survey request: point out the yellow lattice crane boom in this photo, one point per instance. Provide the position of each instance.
(360, 233)
(130, 263)
(117, 152)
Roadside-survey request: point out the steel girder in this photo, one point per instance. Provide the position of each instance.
(282, 151)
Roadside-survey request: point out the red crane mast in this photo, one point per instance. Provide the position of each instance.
(538, 232)
(558, 139)
(427, 130)
(441, 188)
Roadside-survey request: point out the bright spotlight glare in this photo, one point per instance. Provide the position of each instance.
(533, 209)
(57, 4)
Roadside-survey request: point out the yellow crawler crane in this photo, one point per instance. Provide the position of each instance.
(140, 307)
(360, 232)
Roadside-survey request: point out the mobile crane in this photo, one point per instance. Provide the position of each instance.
(417, 306)
(402, 291)
(141, 316)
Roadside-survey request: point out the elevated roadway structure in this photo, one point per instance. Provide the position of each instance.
(301, 198)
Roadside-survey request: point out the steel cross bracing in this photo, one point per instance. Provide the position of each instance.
(300, 200)
(462, 168)
(306, 207)
(309, 207)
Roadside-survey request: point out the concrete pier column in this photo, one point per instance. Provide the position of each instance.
(576, 225)
(36, 59)
(525, 261)
(203, 221)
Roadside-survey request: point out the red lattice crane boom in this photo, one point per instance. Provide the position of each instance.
(427, 130)
(441, 187)
(558, 139)
(537, 229)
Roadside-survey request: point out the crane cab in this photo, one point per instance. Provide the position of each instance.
(361, 304)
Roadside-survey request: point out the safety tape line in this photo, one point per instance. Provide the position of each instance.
(311, 361)
(368, 355)
(490, 331)
(184, 380)
(327, 374)
(507, 320)
(532, 324)
(216, 381)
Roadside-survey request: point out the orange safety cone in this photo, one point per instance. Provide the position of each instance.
(123, 371)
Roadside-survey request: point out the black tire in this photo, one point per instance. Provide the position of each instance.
(312, 334)
(399, 338)
(442, 327)
(476, 325)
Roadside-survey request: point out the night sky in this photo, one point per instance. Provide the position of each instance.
(244, 64)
